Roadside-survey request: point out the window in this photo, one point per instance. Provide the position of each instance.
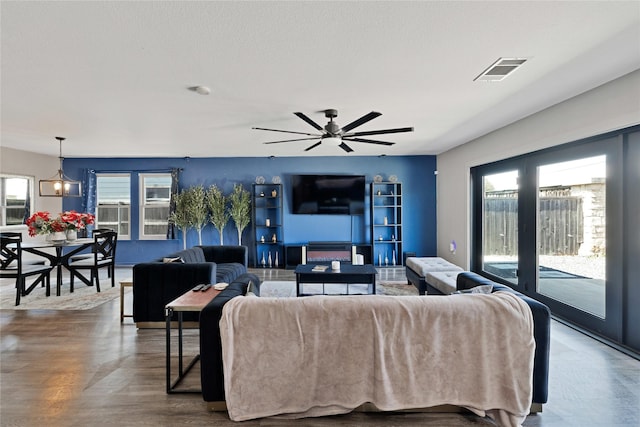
(155, 195)
(15, 193)
(113, 199)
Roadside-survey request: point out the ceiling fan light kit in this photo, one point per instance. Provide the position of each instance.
(333, 134)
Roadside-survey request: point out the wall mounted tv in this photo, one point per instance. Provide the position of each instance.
(328, 194)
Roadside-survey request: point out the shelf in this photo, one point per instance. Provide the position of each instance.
(386, 203)
(267, 206)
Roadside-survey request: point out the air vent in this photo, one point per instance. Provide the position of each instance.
(500, 69)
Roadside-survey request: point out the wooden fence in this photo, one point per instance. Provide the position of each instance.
(560, 229)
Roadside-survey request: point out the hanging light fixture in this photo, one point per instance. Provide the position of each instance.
(60, 185)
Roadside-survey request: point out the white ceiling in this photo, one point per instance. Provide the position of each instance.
(113, 77)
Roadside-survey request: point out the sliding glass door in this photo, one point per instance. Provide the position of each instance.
(549, 224)
(572, 233)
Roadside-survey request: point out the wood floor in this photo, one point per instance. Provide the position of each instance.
(84, 368)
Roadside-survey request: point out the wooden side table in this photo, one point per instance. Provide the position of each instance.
(193, 301)
(126, 283)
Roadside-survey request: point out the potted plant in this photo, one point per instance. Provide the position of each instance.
(240, 209)
(198, 209)
(218, 214)
(180, 217)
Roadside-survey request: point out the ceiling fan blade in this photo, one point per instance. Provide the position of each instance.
(345, 147)
(289, 140)
(362, 120)
(313, 146)
(308, 120)
(288, 131)
(380, 132)
(369, 141)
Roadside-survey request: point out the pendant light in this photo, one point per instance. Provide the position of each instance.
(60, 185)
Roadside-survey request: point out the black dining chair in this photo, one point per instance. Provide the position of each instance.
(12, 267)
(83, 255)
(103, 256)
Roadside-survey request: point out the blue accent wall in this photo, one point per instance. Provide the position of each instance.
(416, 173)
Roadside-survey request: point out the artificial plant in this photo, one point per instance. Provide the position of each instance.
(240, 208)
(218, 213)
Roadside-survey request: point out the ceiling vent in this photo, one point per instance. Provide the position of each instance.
(500, 69)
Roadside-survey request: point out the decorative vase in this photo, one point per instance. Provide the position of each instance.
(379, 259)
(269, 259)
(58, 237)
(72, 235)
(393, 258)
(263, 262)
(275, 262)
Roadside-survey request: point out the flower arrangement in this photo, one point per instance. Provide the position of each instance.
(76, 220)
(43, 223)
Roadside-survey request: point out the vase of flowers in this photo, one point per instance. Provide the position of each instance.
(60, 228)
(76, 221)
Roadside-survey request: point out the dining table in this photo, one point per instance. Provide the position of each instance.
(60, 257)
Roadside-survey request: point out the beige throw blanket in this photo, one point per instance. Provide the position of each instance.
(326, 355)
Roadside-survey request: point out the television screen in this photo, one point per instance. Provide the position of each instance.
(328, 194)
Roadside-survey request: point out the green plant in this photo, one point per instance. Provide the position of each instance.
(240, 208)
(198, 211)
(180, 217)
(218, 214)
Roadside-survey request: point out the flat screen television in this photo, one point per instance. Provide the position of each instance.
(328, 194)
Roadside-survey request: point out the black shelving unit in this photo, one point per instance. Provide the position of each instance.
(268, 230)
(386, 223)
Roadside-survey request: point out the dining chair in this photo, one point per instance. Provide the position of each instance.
(12, 267)
(103, 256)
(83, 255)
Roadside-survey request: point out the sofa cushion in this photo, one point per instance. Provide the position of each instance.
(188, 256)
(228, 272)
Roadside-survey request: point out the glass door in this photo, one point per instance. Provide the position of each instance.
(571, 224)
(500, 225)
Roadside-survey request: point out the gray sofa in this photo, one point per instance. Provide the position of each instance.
(159, 282)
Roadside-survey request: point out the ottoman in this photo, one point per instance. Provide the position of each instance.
(443, 282)
(418, 267)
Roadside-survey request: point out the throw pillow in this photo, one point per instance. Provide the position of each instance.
(482, 289)
(176, 259)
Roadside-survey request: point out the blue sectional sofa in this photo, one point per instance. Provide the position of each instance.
(159, 282)
(541, 332)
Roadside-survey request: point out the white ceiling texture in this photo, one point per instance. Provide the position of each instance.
(114, 77)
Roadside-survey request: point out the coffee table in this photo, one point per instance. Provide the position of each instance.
(193, 301)
(348, 274)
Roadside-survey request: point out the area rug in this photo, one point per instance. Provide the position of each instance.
(83, 297)
(284, 289)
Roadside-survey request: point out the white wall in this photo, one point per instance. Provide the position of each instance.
(39, 166)
(612, 106)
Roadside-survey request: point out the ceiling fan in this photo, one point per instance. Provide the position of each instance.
(337, 135)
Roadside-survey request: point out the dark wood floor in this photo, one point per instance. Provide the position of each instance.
(83, 368)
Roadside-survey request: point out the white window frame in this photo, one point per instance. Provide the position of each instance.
(3, 204)
(144, 204)
(121, 235)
